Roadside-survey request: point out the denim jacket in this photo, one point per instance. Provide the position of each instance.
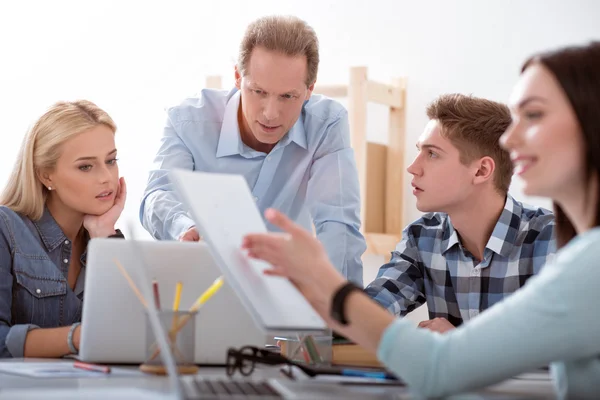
(34, 293)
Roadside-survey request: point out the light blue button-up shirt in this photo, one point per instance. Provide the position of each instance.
(311, 172)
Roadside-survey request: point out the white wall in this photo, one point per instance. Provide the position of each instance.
(133, 58)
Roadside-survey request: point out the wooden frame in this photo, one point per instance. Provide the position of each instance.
(380, 167)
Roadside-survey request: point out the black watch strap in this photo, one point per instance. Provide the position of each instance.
(118, 234)
(338, 303)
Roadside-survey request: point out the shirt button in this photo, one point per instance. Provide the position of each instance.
(66, 242)
(66, 261)
(269, 158)
(255, 198)
(38, 291)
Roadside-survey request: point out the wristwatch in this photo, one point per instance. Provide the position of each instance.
(338, 302)
(118, 234)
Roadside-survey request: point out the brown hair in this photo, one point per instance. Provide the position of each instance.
(577, 70)
(288, 35)
(474, 126)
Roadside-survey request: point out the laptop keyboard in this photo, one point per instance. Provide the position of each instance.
(220, 388)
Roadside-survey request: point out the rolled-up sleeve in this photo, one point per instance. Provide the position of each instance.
(15, 339)
(333, 199)
(400, 285)
(161, 212)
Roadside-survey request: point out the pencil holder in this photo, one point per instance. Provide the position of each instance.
(310, 349)
(180, 328)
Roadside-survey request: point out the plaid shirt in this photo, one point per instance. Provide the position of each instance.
(430, 264)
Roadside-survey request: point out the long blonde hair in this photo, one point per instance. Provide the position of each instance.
(41, 149)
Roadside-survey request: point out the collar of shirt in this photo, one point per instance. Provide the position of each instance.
(503, 236)
(53, 236)
(50, 232)
(230, 140)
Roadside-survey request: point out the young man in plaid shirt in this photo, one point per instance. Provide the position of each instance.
(476, 244)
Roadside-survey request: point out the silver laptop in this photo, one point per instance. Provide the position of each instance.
(207, 387)
(114, 321)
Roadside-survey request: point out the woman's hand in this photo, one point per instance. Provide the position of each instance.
(104, 225)
(298, 256)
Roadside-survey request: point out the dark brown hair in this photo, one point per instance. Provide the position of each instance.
(577, 70)
(474, 127)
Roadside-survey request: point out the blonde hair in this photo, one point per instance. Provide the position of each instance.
(41, 149)
(288, 35)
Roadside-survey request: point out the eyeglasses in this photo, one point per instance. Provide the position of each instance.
(245, 359)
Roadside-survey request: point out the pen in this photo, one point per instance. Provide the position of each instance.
(92, 367)
(368, 374)
(311, 347)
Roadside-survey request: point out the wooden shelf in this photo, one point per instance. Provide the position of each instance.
(381, 243)
(380, 167)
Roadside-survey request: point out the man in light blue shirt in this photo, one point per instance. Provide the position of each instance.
(292, 147)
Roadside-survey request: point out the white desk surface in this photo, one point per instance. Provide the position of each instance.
(535, 385)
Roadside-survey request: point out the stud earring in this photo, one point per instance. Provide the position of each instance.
(49, 188)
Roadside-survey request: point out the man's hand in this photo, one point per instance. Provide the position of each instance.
(191, 235)
(440, 325)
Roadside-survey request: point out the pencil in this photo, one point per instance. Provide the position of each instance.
(130, 282)
(177, 299)
(156, 294)
(204, 297)
(176, 302)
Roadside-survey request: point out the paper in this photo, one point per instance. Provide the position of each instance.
(57, 370)
(225, 211)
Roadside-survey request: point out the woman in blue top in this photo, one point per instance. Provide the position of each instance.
(64, 190)
(554, 141)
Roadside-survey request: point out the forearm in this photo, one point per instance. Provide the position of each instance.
(163, 216)
(161, 212)
(367, 321)
(405, 296)
(400, 286)
(49, 343)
